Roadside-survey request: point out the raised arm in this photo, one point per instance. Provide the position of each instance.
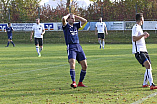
(64, 19)
(83, 20)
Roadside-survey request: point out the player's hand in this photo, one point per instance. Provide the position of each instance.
(95, 33)
(146, 35)
(30, 39)
(107, 33)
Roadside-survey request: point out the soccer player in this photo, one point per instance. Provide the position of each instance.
(99, 30)
(140, 51)
(74, 50)
(38, 30)
(9, 31)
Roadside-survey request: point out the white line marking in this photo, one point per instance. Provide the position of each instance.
(143, 99)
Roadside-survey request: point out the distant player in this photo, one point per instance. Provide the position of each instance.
(74, 50)
(9, 31)
(99, 30)
(38, 30)
(140, 51)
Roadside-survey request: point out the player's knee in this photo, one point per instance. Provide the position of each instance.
(72, 66)
(147, 65)
(84, 67)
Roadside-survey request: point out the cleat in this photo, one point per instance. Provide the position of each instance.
(39, 55)
(73, 85)
(152, 87)
(103, 47)
(80, 84)
(13, 45)
(144, 86)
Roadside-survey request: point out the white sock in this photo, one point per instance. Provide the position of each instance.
(37, 49)
(150, 77)
(41, 49)
(99, 42)
(145, 77)
(103, 43)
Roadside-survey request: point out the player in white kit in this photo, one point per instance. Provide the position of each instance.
(38, 30)
(140, 50)
(99, 30)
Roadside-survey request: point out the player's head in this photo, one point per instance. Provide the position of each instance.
(37, 20)
(139, 18)
(71, 19)
(9, 24)
(100, 19)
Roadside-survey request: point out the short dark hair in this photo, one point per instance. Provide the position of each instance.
(9, 23)
(139, 16)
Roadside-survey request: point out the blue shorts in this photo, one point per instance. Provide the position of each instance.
(10, 37)
(75, 51)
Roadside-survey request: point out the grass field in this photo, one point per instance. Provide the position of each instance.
(113, 75)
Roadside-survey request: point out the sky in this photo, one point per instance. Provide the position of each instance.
(54, 3)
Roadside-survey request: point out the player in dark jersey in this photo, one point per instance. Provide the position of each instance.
(74, 50)
(9, 31)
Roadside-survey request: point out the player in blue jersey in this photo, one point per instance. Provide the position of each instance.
(9, 31)
(74, 50)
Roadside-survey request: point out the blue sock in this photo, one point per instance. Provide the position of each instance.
(13, 43)
(72, 74)
(8, 43)
(82, 75)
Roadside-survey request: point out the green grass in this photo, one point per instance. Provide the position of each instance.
(113, 76)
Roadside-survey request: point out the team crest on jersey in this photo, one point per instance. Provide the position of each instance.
(73, 32)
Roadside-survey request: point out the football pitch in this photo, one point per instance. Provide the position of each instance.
(113, 75)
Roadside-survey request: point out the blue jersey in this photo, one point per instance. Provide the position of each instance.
(71, 33)
(9, 31)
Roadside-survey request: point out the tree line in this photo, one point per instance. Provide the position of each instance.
(122, 10)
